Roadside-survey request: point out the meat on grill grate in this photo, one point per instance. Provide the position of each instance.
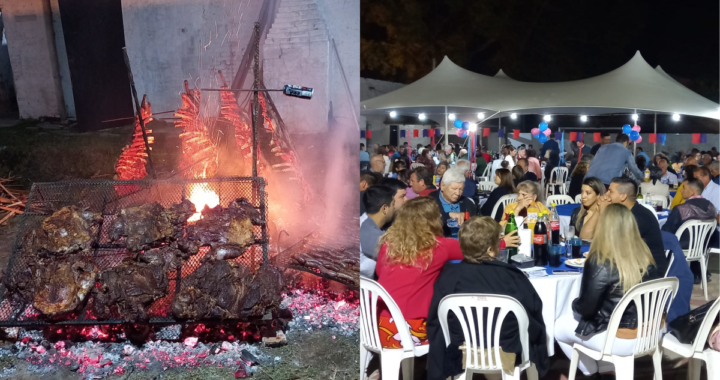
(231, 227)
(221, 289)
(61, 285)
(132, 287)
(68, 230)
(149, 225)
(340, 264)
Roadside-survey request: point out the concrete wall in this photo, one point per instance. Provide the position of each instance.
(62, 61)
(31, 45)
(171, 41)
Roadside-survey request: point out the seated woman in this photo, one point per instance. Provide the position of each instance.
(618, 260)
(480, 273)
(688, 174)
(412, 254)
(655, 186)
(585, 217)
(518, 174)
(578, 175)
(505, 186)
(527, 204)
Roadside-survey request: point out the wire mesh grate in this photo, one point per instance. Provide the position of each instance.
(108, 198)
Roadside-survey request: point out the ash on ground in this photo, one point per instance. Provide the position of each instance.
(321, 339)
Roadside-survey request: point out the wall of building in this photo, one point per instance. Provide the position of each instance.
(31, 46)
(62, 60)
(172, 41)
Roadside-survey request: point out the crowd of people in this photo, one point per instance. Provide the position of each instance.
(411, 197)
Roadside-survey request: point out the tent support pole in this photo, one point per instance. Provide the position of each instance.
(655, 132)
(499, 139)
(446, 127)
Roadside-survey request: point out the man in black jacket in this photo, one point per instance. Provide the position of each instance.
(450, 200)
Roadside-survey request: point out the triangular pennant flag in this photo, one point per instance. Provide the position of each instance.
(425, 133)
(580, 136)
(652, 138)
(402, 133)
(368, 134)
(501, 133)
(362, 134)
(431, 132)
(696, 138)
(703, 138)
(558, 135)
(415, 133)
(486, 132)
(596, 137)
(573, 136)
(438, 133)
(516, 133)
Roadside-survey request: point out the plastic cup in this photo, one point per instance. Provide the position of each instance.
(503, 255)
(555, 253)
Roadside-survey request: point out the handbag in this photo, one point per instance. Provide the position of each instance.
(686, 327)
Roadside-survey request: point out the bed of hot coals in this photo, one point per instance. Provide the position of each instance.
(95, 352)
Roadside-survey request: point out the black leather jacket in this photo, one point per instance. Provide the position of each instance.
(600, 292)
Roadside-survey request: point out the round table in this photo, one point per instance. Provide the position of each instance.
(557, 294)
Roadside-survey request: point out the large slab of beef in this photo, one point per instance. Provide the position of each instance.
(68, 230)
(150, 225)
(230, 227)
(132, 287)
(56, 287)
(221, 289)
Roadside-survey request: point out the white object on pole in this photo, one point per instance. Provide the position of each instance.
(481, 115)
(473, 127)
(676, 117)
(635, 117)
(422, 117)
(547, 118)
(451, 116)
(446, 127)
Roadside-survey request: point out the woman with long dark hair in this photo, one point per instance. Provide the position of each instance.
(504, 180)
(585, 217)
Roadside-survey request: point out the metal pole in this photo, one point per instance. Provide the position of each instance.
(655, 132)
(499, 127)
(446, 128)
(256, 100)
(138, 110)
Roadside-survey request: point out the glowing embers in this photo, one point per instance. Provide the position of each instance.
(201, 195)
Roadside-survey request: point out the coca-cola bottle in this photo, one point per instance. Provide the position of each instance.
(540, 242)
(555, 225)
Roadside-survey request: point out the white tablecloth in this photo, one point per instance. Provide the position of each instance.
(557, 294)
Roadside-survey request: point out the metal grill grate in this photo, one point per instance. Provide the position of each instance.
(107, 198)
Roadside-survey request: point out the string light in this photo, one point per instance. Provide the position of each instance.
(583, 118)
(422, 116)
(513, 116)
(393, 113)
(451, 116)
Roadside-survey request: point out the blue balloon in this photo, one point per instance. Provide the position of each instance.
(465, 125)
(634, 135)
(543, 126)
(627, 129)
(542, 138)
(458, 124)
(464, 135)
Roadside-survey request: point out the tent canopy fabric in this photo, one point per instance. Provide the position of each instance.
(633, 87)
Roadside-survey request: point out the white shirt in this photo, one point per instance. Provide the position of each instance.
(669, 178)
(712, 193)
(497, 164)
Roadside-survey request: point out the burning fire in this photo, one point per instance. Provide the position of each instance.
(200, 197)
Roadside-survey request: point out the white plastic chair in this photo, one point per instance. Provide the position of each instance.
(558, 177)
(504, 200)
(416, 165)
(652, 300)
(487, 186)
(478, 332)
(657, 198)
(651, 208)
(558, 200)
(390, 358)
(671, 259)
(695, 351)
(578, 199)
(700, 232)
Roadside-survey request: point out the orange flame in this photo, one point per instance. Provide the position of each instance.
(202, 196)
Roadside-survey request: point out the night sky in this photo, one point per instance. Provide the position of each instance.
(542, 40)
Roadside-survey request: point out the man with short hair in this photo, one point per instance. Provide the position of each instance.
(421, 182)
(470, 188)
(611, 160)
(604, 140)
(375, 148)
(695, 208)
(377, 164)
(550, 144)
(367, 179)
(624, 191)
(450, 200)
(529, 176)
(399, 188)
(712, 190)
(706, 159)
(715, 171)
(380, 208)
(639, 152)
(667, 177)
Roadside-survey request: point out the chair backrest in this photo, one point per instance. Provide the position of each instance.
(478, 332)
(559, 175)
(705, 326)
(700, 232)
(671, 259)
(504, 200)
(559, 200)
(578, 198)
(657, 198)
(488, 168)
(487, 186)
(416, 165)
(652, 299)
(369, 333)
(651, 208)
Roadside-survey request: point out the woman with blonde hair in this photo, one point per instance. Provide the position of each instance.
(617, 261)
(412, 254)
(585, 217)
(527, 204)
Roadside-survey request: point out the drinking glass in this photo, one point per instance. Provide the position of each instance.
(658, 206)
(554, 255)
(569, 235)
(503, 256)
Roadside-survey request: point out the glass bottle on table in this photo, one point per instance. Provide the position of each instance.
(555, 225)
(540, 242)
(509, 228)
